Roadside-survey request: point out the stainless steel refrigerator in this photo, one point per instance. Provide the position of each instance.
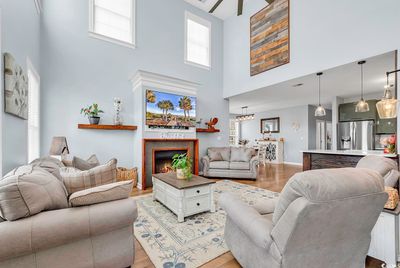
(356, 135)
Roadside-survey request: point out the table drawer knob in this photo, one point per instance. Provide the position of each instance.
(198, 204)
(198, 191)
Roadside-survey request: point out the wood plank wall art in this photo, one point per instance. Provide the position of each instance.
(269, 37)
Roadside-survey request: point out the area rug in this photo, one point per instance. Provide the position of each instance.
(196, 241)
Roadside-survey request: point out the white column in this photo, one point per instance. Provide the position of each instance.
(335, 120)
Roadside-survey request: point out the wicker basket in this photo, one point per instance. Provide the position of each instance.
(393, 199)
(124, 174)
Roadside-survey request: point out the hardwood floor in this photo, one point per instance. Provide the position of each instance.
(271, 177)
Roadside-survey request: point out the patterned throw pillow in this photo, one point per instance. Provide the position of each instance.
(75, 180)
(29, 190)
(101, 194)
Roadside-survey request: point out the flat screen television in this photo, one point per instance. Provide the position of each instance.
(168, 110)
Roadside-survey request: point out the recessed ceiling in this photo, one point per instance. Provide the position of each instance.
(225, 10)
(342, 81)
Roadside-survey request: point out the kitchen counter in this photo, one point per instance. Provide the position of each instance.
(350, 152)
(318, 159)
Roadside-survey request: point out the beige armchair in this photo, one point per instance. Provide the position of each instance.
(323, 218)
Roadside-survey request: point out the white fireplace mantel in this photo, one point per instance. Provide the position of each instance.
(147, 79)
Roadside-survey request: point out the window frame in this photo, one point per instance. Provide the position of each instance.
(93, 34)
(31, 68)
(206, 23)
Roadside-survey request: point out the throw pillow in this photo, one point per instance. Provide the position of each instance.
(392, 178)
(241, 154)
(67, 160)
(101, 194)
(28, 191)
(81, 164)
(50, 164)
(215, 156)
(76, 180)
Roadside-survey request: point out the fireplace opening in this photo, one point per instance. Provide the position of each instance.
(162, 159)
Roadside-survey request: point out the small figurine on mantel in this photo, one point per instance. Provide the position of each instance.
(212, 123)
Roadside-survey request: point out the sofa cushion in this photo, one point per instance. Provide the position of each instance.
(380, 164)
(215, 156)
(75, 180)
(239, 165)
(392, 178)
(241, 154)
(28, 191)
(50, 164)
(219, 165)
(224, 151)
(101, 194)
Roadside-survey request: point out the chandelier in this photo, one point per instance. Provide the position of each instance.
(245, 116)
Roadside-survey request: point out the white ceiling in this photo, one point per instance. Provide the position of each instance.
(226, 9)
(342, 81)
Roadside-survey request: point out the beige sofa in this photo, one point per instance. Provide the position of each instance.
(230, 162)
(322, 218)
(96, 235)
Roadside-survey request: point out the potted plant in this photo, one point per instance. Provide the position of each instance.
(182, 164)
(92, 112)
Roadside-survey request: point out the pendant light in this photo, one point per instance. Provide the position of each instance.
(320, 111)
(244, 116)
(387, 106)
(362, 106)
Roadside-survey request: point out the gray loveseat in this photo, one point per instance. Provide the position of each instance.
(230, 162)
(323, 218)
(47, 228)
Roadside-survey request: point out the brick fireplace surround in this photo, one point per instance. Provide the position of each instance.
(150, 146)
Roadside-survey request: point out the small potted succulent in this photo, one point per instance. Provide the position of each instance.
(182, 164)
(92, 112)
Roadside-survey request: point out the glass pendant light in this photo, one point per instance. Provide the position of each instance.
(362, 106)
(387, 106)
(320, 111)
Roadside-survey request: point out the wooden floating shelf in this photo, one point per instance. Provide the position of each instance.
(207, 130)
(107, 127)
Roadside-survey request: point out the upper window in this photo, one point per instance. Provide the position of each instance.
(113, 20)
(197, 41)
(33, 113)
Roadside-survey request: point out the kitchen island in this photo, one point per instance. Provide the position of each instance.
(319, 159)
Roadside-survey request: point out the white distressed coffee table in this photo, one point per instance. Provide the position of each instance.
(184, 198)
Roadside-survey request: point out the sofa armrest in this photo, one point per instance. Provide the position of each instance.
(248, 220)
(265, 206)
(254, 161)
(58, 227)
(206, 163)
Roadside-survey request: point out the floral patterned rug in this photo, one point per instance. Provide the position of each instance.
(196, 241)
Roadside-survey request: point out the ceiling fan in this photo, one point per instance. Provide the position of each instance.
(240, 6)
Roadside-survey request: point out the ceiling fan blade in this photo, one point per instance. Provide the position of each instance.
(269, 1)
(215, 6)
(240, 7)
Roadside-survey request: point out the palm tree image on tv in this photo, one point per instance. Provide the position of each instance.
(170, 110)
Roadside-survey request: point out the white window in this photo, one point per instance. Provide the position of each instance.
(33, 113)
(197, 41)
(113, 20)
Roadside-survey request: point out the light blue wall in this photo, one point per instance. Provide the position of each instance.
(78, 70)
(295, 141)
(21, 38)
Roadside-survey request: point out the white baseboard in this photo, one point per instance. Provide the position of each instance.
(139, 186)
(293, 163)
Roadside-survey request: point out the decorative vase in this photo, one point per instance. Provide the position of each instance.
(94, 120)
(180, 174)
(118, 108)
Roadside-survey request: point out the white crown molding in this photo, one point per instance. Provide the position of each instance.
(153, 80)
